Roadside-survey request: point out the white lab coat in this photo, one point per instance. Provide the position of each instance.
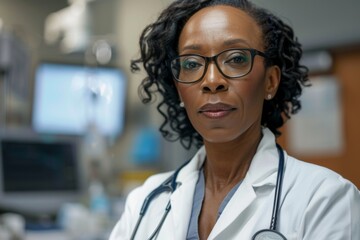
(316, 203)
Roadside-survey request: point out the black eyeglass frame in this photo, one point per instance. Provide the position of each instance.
(253, 53)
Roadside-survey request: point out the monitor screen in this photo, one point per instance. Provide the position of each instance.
(38, 166)
(39, 173)
(68, 98)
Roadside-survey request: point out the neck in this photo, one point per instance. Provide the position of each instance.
(227, 163)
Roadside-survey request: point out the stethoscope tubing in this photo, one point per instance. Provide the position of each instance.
(170, 185)
(272, 232)
(277, 195)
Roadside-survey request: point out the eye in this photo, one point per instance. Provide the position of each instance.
(237, 59)
(191, 63)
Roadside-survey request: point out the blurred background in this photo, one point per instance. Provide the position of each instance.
(75, 138)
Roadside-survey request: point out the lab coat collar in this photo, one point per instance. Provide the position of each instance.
(264, 163)
(182, 197)
(261, 172)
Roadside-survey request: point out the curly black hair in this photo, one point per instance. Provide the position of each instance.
(159, 44)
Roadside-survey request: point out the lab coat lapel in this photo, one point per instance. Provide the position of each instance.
(182, 198)
(262, 172)
(241, 200)
(181, 202)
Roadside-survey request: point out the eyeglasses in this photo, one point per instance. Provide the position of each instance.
(232, 63)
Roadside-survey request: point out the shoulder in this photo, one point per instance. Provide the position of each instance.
(300, 172)
(134, 202)
(320, 198)
(149, 185)
(318, 189)
(316, 180)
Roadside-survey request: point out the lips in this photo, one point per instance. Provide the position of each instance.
(217, 110)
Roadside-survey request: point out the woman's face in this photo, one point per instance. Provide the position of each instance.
(219, 108)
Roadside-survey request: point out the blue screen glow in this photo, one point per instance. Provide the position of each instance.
(69, 97)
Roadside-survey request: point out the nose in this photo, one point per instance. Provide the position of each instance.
(213, 80)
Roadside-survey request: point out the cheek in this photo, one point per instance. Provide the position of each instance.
(186, 93)
(251, 89)
(254, 89)
(251, 93)
(190, 95)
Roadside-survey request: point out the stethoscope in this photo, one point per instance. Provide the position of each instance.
(170, 184)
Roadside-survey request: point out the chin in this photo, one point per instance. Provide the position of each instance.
(220, 137)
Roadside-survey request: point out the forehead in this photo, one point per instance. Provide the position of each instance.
(220, 25)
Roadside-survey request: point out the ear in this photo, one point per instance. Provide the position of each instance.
(272, 81)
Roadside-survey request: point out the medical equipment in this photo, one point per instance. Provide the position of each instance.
(170, 184)
(272, 233)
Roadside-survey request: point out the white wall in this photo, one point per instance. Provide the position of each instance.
(319, 23)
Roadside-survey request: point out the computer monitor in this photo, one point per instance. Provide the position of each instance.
(38, 174)
(67, 98)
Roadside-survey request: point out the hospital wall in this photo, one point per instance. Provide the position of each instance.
(344, 160)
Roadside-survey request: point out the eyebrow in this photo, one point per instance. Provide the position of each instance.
(226, 43)
(192, 47)
(235, 40)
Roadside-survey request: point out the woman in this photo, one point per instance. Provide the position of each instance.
(229, 76)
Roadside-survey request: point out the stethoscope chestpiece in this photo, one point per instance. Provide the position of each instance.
(267, 234)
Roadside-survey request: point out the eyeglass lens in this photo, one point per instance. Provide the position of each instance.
(231, 63)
